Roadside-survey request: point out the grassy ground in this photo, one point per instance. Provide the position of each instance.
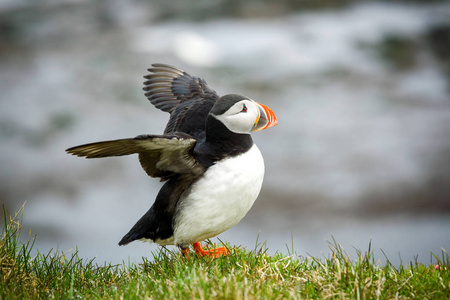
(242, 275)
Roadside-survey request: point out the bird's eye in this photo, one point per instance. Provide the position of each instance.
(244, 108)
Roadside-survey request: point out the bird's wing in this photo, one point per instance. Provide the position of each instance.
(188, 99)
(160, 155)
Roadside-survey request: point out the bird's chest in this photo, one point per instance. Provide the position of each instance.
(231, 184)
(222, 197)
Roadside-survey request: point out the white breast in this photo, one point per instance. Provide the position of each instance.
(220, 199)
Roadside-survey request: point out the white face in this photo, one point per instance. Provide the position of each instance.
(241, 117)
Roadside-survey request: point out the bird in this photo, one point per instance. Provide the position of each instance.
(211, 168)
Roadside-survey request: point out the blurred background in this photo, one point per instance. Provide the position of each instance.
(361, 90)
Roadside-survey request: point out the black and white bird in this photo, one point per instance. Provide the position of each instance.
(212, 170)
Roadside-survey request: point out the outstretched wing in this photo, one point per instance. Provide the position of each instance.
(160, 155)
(188, 99)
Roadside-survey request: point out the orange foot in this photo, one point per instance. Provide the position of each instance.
(216, 252)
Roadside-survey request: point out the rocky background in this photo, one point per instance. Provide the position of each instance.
(361, 90)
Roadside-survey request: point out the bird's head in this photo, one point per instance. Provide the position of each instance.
(243, 115)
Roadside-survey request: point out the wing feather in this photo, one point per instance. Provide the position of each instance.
(177, 92)
(188, 99)
(160, 155)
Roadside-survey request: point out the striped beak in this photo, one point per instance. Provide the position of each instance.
(265, 119)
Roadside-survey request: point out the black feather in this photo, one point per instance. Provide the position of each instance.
(177, 92)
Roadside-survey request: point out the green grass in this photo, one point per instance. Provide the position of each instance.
(242, 275)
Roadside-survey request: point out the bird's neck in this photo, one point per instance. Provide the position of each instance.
(221, 142)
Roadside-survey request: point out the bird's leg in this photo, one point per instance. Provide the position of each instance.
(185, 252)
(216, 252)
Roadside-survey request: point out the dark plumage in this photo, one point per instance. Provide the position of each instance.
(188, 99)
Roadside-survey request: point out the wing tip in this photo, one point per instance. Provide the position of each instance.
(164, 68)
(129, 237)
(123, 243)
(73, 151)
(83, 151)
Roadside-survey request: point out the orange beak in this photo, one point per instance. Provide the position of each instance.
(266, 118)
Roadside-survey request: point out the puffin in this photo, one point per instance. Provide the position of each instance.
(211, 168)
